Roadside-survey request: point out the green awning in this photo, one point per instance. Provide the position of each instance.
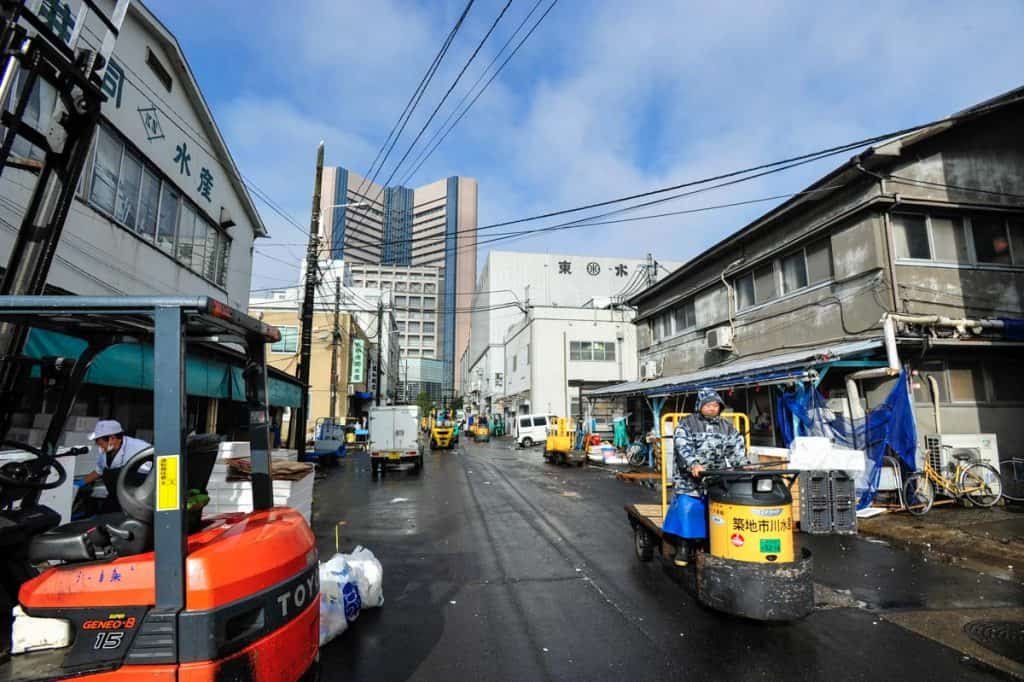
(130, 365)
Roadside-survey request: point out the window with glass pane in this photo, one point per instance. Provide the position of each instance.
(1017, 240)
(948, 238)
(429, 302)
(428, 327)
(745, 292)
(655, 329)
(128, 185)
(106, 167)
(199, 244)
(966, 383)
(400, 286)
(991, 241)
(794, 272)
(414, 326)
(911, 236)
(168, 220)
(186, 233)
(213, 252)
(764, 283)
(289, 342)
(149, 203)
(1008, 381)
(819, 261)
(429, 288)
(684, 317)
(225, 259)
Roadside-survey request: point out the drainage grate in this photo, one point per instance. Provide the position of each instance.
(1004, 637)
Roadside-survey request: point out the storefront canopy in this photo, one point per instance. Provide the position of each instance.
(130, 365)
(772, 369)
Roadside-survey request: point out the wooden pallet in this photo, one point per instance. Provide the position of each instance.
(638, 476)
(651, 512)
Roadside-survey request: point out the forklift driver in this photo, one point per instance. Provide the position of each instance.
(704, 441)
(116, 449)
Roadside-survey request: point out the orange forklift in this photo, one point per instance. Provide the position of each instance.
(152, 592)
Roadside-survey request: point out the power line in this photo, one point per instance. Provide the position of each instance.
(419, 163)
(448, 92)
(414, 101)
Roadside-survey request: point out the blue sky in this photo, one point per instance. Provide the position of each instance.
(605, 99)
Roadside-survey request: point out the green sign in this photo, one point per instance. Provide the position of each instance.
(358, 361)
(771, 546)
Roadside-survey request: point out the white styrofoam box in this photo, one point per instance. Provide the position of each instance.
(887, 479)
(765, 451)
(86, 463)
(78, 423)
(233, 449)
(815, 458)
(75, 438)
(290, 455)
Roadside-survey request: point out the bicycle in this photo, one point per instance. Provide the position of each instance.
(1012, 473)
(641, 451)
(978, 482)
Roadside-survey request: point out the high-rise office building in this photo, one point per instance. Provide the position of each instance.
(430, 226)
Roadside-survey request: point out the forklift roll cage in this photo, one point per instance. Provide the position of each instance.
(169, 324)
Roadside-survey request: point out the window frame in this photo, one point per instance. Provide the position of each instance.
(967, 226)
(164, 186)
(293, 329)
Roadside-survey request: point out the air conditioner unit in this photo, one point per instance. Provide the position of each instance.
(649, 370)
(719, 338)
(941, 448)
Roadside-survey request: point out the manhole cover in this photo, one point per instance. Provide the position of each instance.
(1005, 637)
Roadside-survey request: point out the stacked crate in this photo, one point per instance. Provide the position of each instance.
(828, 503)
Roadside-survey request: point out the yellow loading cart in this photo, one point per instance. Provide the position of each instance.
(743, 558)
(558, 445)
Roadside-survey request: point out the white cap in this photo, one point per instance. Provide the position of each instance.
(106, 427)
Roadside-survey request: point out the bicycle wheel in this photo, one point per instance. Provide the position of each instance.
(1011, 471)
(981, 484)
(918, 494)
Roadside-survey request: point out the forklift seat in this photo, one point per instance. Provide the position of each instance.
(102, 537)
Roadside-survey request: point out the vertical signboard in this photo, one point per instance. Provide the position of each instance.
(358, 361)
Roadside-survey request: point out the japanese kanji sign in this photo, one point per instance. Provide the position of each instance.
(358, 361)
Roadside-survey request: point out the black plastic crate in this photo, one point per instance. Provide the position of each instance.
(844, 503)
(814, 485)
(815, 520)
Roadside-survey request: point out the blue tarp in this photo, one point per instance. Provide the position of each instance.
(888, 428)
(1014, 329)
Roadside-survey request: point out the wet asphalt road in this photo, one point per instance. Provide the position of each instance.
(498, 566)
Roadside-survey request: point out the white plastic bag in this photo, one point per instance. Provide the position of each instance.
(339, 598)
(369, 576)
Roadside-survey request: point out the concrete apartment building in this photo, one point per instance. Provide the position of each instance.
(361, 304)
(433, 226)
(925, 231)
(511, 282)
(554, 354)
(161, 209)
(353, 393)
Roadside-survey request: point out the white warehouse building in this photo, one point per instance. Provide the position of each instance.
(511, 283)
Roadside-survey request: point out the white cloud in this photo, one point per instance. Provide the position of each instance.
(611, 98)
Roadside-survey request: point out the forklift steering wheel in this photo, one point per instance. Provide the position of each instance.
(138, 500)
(32, 473)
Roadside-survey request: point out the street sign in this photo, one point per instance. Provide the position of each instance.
(358, 361)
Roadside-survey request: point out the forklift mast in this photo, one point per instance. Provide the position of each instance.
(33, 54)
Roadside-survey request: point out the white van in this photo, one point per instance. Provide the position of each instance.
(532, 428)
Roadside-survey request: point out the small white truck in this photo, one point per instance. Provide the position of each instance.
(394, 437)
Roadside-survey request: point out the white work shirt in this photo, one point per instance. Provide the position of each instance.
(129, 448)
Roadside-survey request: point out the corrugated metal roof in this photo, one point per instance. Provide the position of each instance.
(772, 368)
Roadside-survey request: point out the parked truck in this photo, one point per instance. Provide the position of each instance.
(394, 437)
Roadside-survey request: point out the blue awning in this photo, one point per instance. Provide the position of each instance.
(768, 369)
(130, 365)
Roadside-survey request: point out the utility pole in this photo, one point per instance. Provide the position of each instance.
(651, 270)
(380, 336)
(335, 342)
(312, 253)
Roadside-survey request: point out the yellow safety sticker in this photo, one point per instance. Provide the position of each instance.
(168, 494)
